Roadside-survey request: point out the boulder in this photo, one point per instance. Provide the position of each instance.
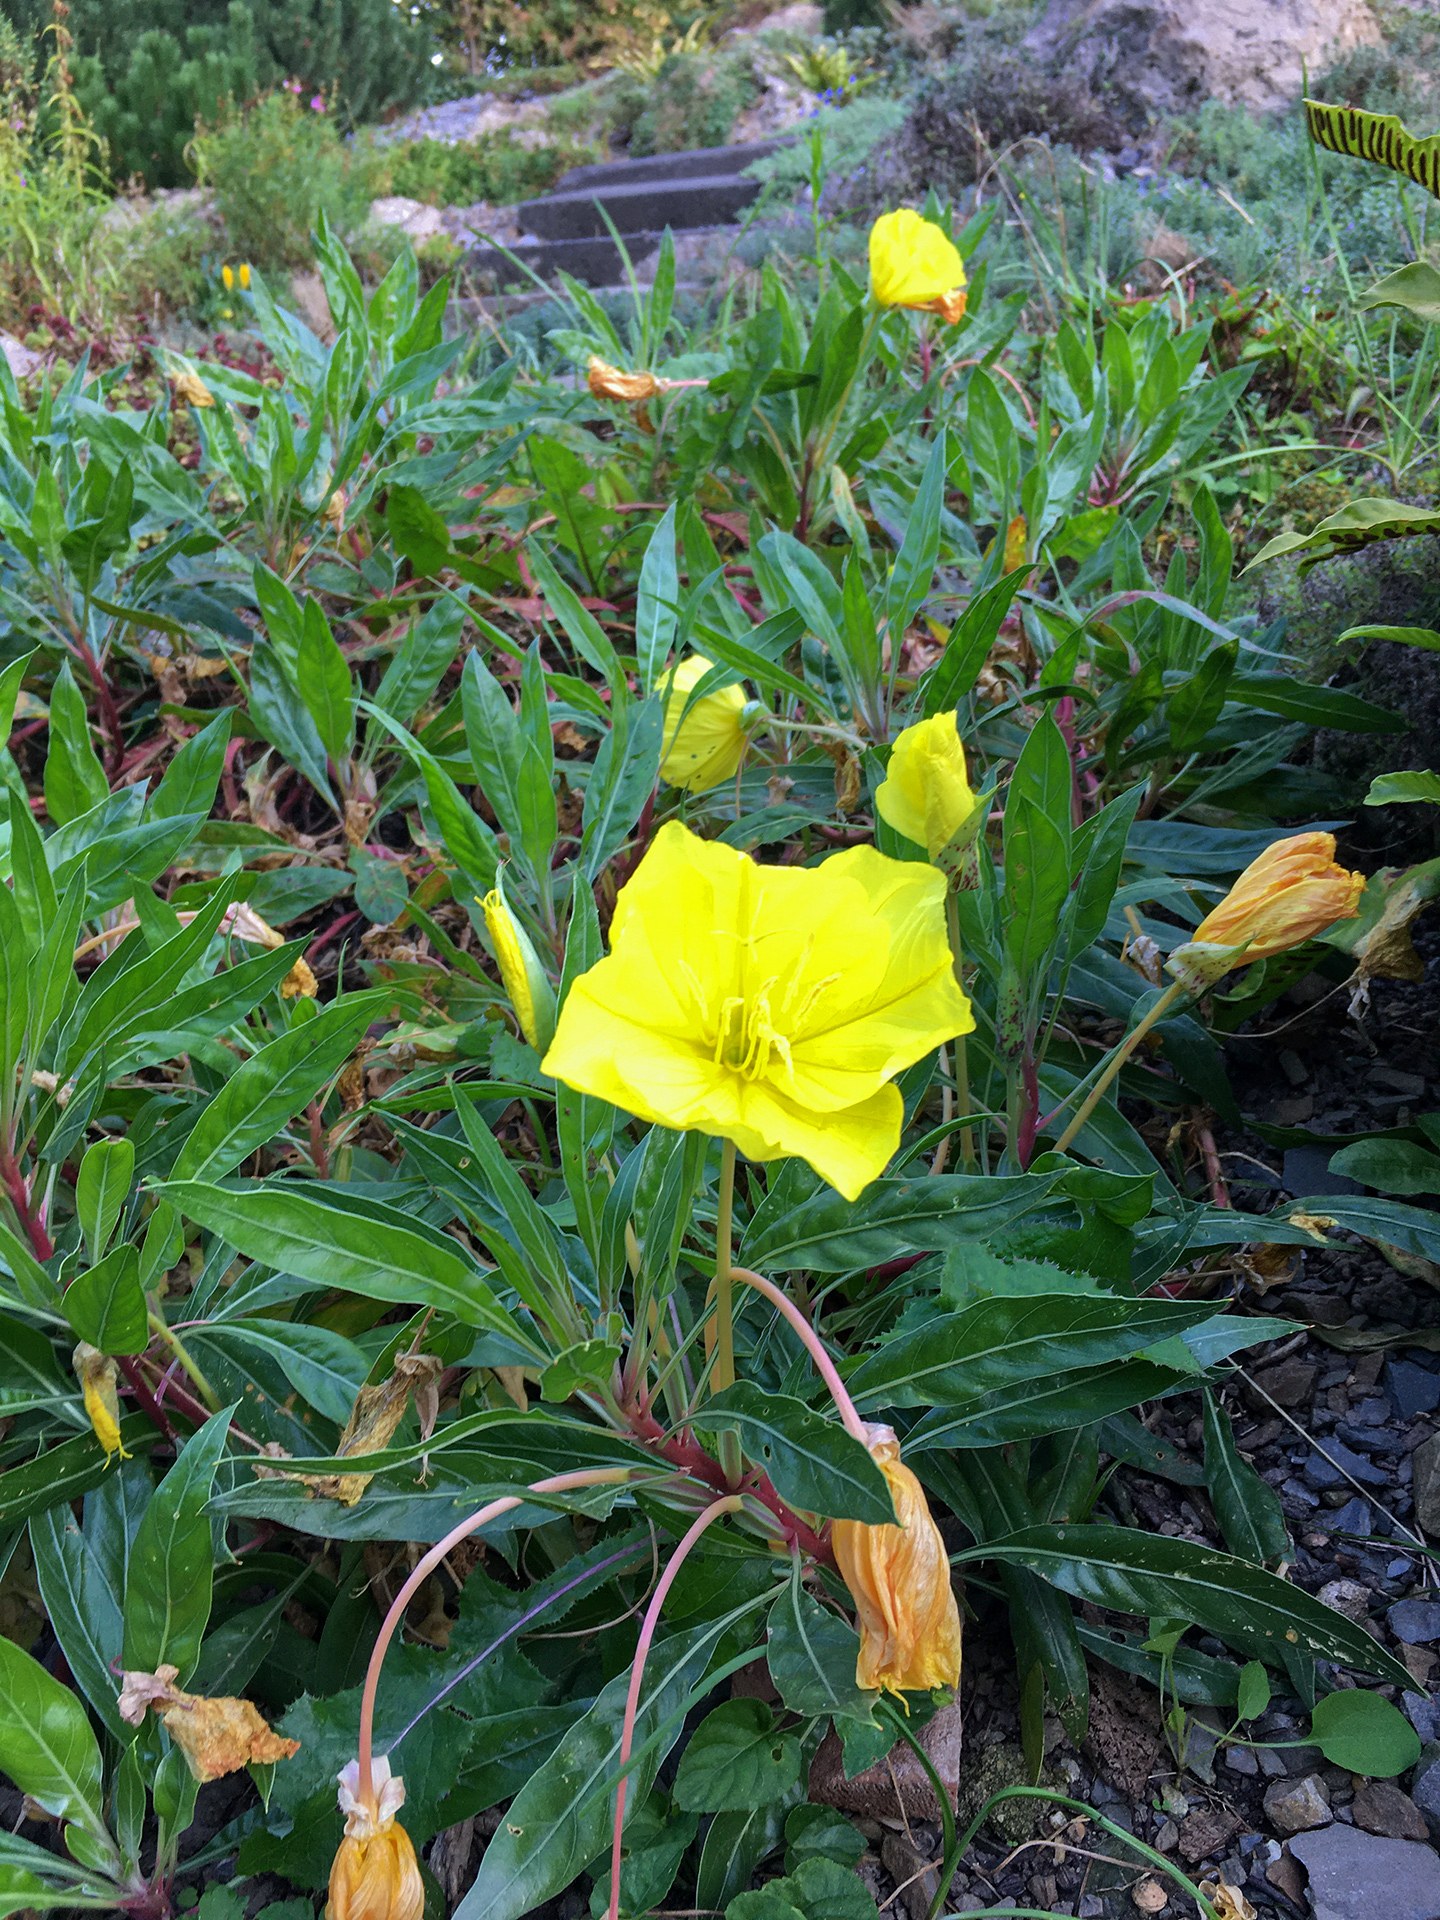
(411, 217)
(1165, 56)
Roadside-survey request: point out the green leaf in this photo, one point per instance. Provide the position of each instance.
(81, 1572)
(811, 1652)
(656, 601)
(954, 674)
(380, 1258)
(1389, 789)
(272, 1086)
(167, 1594)
(1252, 1694)
(323, 679)
(815, 1464)
(914, 568)
(590, 1365)
(74, 778)
(1149, 1574)
(106, 1305)
(1415, 287)
(828, 1234)
(47, 1746)
(1425, 637)
(101, 1190)
(1364, 1733)
(1392, 1166)
(736, 1759)
(1381, 138)
(1247, 1507)
(1355, 525)
(418, 531)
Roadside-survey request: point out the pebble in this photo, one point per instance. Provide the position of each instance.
(1425, 1785)
(1289, 1384)
(1354, 1517)
(1347, 1597)
(1272, 1764)
(1417, 1621)
(1423, 1714)
(1294, 1806)
(1286, 1877)
(1414, 1390)
(1372, 1412)
(1168, 1838)
(1320, 1472)
(1371, 1439)
(1360, 1876)
(1426, 1464)
(1381, 1807)
(1241, 1760)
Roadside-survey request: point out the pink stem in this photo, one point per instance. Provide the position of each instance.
(424, 1567)
(730, 1504)
(844, 1405)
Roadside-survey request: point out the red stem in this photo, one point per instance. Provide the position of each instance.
(1030, 1112)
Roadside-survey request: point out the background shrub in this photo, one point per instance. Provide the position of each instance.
(500, 168)
(694, 101)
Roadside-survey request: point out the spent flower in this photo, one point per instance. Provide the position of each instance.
(1291, 893)
(375, 1875)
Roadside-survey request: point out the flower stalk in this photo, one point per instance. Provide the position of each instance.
(1174, 992)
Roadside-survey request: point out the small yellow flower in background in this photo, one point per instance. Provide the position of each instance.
(227, 277)
(769, 1006)
(97, 1373)
(523, 977)
(705, 746)
(191, 390)
(926, 790)
(244, 276)
(899, 1579)
(613, 383)
(914, 264)
(375, 1875)
(1292, 892)
(334, 514)
(1017, 537)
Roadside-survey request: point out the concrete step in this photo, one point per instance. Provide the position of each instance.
(592, 260)
(645, 206)
(699, 163)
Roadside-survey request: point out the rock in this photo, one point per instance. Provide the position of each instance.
(1164, 56)
(802, 17)
(307, 296)
(1426, 1462)
(1286, 1875)
(1241, 1760)
(1207, 1832)
(1423, 1714)
(1294, 1806)
(1425, 1786)
(909, 1869)
(782, 104)
(1329, 1469)
(1353, 1517)
(1417, 1621)
(412, 217)
(1347, 1597)
(1380, 1807)
(897, 1787)
(22, 360)
(1413, 1390)
(1291, 1383)
(1359, 1876)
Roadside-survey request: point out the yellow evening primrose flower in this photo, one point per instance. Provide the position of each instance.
(1294, 890)
(913, 263)
(245, 276)
(227, 277)
(375, 1875)
(899, 1579)
(705, 746)
(926, 790)
(523, 977)
(770, 1006)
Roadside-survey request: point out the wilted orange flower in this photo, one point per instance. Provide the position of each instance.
(899, 1579)
(613, 383)
(1292, 892)
(192, 390)
(217, 1736)
(375, 1875)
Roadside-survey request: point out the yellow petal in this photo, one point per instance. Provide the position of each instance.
(771, 1006)
(1293, 891)
(524, 979)
(613, 383)
(376, 1877)
(704, 746)
(914, 264)
(926, 791)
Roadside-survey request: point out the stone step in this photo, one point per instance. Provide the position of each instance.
(593, 260)
(699, 163)
(645, 206)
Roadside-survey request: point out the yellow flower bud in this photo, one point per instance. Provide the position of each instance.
(227, 277)
(1293, 891)
(926, 790)
(613, 383)
(706, 745)
(899, 1579)
(524, 979)
(245, 276)
(191, 390)
(914, 264)
(375, 1875)
(97, 1372)
(334, 514)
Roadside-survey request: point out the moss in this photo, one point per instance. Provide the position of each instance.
(997, 1767)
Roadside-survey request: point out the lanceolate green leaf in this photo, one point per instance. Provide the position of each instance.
(46, 1743)
(894, 1217)
(1246, 1506)
(815, 1464)
(167, 1594)
(1148, 1574)
(280, 1226)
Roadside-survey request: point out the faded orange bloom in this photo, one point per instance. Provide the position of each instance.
(899, 1579)
(375, 1875)
(217, 1736)
(192, 390)
(1017, 536)
(1292, 892)
(613, 383)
